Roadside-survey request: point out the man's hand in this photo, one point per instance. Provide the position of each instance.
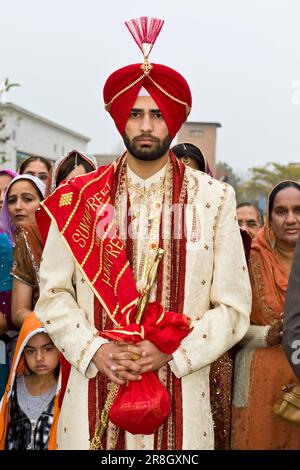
(119, 371)
(144, 354)
(274, 335)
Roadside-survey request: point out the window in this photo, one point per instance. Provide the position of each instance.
(196, 132)
(55, 148)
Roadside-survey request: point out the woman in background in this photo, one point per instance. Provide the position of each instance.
(36, 166)
(29, 243)
(261, 368)
(6, 257)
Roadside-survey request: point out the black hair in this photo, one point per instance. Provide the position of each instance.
(69, 164)
(190, 150)
(279, 187)
(258, 211)
(28, 160)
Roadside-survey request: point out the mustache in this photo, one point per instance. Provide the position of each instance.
(146, 137)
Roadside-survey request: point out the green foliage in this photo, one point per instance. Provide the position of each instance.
(264, 178)
(231, 177)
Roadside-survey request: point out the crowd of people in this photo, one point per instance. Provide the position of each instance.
(140, 288)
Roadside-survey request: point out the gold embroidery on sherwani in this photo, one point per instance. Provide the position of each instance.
(84, 350)
(187, 359)
(194, 189)
(166, 229)
(145, 224)
(219, 211)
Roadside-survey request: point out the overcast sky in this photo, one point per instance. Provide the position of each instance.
(240, 57)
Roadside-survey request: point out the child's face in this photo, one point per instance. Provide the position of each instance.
(41, 356)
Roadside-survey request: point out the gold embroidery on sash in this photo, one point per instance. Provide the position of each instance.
(127, 264)
(65, 199)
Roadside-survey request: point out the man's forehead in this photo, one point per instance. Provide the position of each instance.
(145, 102)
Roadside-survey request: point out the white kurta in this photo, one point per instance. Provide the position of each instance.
(217, 299)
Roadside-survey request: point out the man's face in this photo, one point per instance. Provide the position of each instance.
(248, 219)
(146, 134)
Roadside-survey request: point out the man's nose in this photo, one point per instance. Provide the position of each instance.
(146, 124)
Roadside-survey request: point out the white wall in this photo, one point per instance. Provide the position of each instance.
(36, 137)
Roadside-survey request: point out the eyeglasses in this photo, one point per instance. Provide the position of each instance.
(248, 223)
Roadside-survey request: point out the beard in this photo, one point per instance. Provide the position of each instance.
(145, 152)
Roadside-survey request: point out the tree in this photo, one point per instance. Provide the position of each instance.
(226, 173)
(263, 179)
(4, 88)
(5, 134)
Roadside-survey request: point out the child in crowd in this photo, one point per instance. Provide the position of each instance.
(29, 408)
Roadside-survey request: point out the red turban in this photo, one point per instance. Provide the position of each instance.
(167, 87)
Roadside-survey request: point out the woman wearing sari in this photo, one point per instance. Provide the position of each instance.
(21, 202)
(29, 242)
(261, 368)
(6, 254)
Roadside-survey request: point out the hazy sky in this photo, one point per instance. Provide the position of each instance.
(240, 57)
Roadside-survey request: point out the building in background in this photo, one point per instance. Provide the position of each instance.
(105, 158)
(23, 134)
(204, 136)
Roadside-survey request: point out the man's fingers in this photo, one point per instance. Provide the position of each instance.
(125, 365)
(121, 356)
(128, 376)
(115, 377)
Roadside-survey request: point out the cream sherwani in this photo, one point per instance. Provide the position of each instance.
(217, 299)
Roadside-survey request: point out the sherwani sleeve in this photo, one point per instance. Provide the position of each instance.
(230, 294)
(65, 322)
(291, 317)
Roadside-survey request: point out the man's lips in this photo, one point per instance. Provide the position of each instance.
(145, 141)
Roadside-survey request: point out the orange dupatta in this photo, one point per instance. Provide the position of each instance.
(269, 280)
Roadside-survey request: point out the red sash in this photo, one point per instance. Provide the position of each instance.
(83, 211)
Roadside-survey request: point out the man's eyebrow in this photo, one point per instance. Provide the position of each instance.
(140, 110)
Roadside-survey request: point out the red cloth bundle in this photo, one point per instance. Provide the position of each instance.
(141, 407)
